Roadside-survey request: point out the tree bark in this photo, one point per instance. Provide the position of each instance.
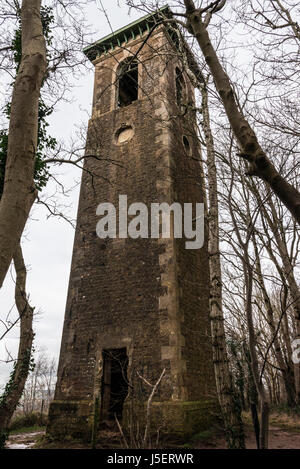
(230, 407)
(286, 270)
(15, 388)
(243, 254)
(19, 190)
(259, 163)
(286, 368)
(264, 405)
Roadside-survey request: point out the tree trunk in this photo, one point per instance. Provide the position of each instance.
(264, 405)
(287, 269)
(286, 368)
(229, 401)
(243, 254)
(19, 191)
(253, 396)
(259, 163)
(15, 387)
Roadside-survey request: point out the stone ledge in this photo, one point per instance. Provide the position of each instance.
(181, 419)
(70, 419)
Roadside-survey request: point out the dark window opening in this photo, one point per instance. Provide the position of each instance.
(128, 83)
(88, 348)
(114, 383)
(187, 145)
(180, 86)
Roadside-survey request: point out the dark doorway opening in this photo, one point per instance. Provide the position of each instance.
(114, 383)
(128, 83)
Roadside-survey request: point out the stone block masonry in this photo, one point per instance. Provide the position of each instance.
(145, 300)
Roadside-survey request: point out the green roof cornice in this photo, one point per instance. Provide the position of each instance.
(108, 43)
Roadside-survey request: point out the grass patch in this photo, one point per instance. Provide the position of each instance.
(24, 430)
(284, 409)
(286, 422)
(282, 417)
(208, 436)
(46, 442)
(20, 422)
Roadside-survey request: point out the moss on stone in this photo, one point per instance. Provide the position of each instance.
(70, 419)
(174, 418)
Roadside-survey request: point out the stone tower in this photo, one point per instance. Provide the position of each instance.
(137, 306)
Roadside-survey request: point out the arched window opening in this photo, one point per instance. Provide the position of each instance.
(186, 145)
(128, 82)
(180, 87)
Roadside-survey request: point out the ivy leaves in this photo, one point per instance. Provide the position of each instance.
(45, 141)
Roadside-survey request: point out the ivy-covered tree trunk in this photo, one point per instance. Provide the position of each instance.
(19, 190)
(14, 388)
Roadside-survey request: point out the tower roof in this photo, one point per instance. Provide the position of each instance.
(138, 27)
(115, 39)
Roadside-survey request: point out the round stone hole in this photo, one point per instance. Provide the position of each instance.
(124, 134)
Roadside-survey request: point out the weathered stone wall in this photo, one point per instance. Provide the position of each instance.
(150, 296)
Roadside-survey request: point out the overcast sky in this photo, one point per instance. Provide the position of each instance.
(48, 243)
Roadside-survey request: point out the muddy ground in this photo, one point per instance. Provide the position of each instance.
(284, 434)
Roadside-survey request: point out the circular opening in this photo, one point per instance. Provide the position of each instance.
(124, 134)
(186, 145)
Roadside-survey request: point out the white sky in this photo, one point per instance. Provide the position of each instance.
(48, 243)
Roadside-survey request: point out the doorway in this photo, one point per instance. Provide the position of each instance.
(114, 386)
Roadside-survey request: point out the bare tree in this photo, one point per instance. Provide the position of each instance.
(229, 402)
(14, 388)
(19, 190)
(39, 388)
(250, 149)
(20, 169)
